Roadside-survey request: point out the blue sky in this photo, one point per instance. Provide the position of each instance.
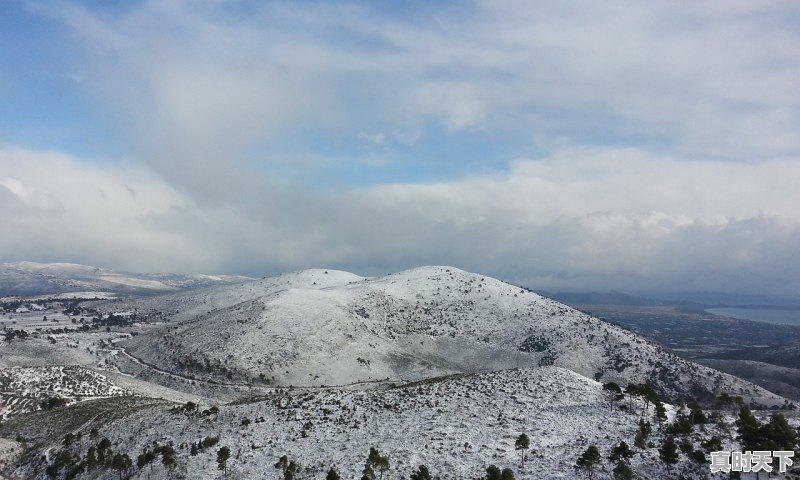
(583, 145)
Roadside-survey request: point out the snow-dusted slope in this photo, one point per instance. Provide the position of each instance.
(191, 304)
(456, 426)
(22, 389)
(317, 329)
(31, 278)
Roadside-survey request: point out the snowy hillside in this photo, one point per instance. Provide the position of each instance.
(190, 304)
(457, 426)
(432, 366)
(335, 329)
(31, 278)
(27, 389)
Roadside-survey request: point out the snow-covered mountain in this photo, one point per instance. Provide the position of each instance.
(433, 366)
(31, 278)
(327, 328)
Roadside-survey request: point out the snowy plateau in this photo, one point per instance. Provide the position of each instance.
(433, 366)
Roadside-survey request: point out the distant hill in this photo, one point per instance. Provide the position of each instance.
(330, 328)
(603, 298)
(725, 299)
(31, 278)
(695, 301)
(785, 356)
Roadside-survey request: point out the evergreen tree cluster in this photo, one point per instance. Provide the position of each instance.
(494, 473)
(68, 464)
(773, 434)
(288, 467)
(421, 473)
(776, 434)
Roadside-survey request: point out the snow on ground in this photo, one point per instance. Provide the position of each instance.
(515, 362)
(10, 450)
(137, 282)
(332, 329)
(30, 278)
(23, 389)
(457, 426)
(88, 295)
(41, 352)
(202, 301)
(145, 388)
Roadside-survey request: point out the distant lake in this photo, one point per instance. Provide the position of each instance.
(782, 317)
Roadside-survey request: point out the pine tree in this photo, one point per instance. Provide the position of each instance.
(104, 444)
(696, 414)
(779, 434)
(623, 470)
(282, 462)
(522, 444)
(648, 394)
(334, 475)
(660, 415)
(493, 473)
(631, 390)
(641, 435)
(167, 455)
(507, 474)
(589, 460)
(669, 452)
(121, 463)
(223, 454)
(289, 467)
(374, 456)
(748, 428)
(374, 460)
(383, 465)
(169, 462)
(368, 473)
(621, 451)
(291, 470)
(613, 393)
(422, 473)
(91, 458)
(686, 446)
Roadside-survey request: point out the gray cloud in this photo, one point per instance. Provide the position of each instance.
(200, 89)
(223, 112)
(551, 223)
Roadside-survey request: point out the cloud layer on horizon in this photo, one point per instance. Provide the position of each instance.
(597, 219)
(586, 145)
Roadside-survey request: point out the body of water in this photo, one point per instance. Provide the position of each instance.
(781, 317)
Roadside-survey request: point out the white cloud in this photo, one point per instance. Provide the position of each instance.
(581, 218)
(378, 138)
(65, 208)
(219, 105)
(196, 81)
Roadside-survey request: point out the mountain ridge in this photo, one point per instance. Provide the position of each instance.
(27, 278)
(312, 328)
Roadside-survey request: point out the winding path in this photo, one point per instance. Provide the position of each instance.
(251, 387)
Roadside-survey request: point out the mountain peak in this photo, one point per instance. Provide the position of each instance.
(315, 329)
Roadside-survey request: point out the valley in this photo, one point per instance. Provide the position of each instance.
(763, 353)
